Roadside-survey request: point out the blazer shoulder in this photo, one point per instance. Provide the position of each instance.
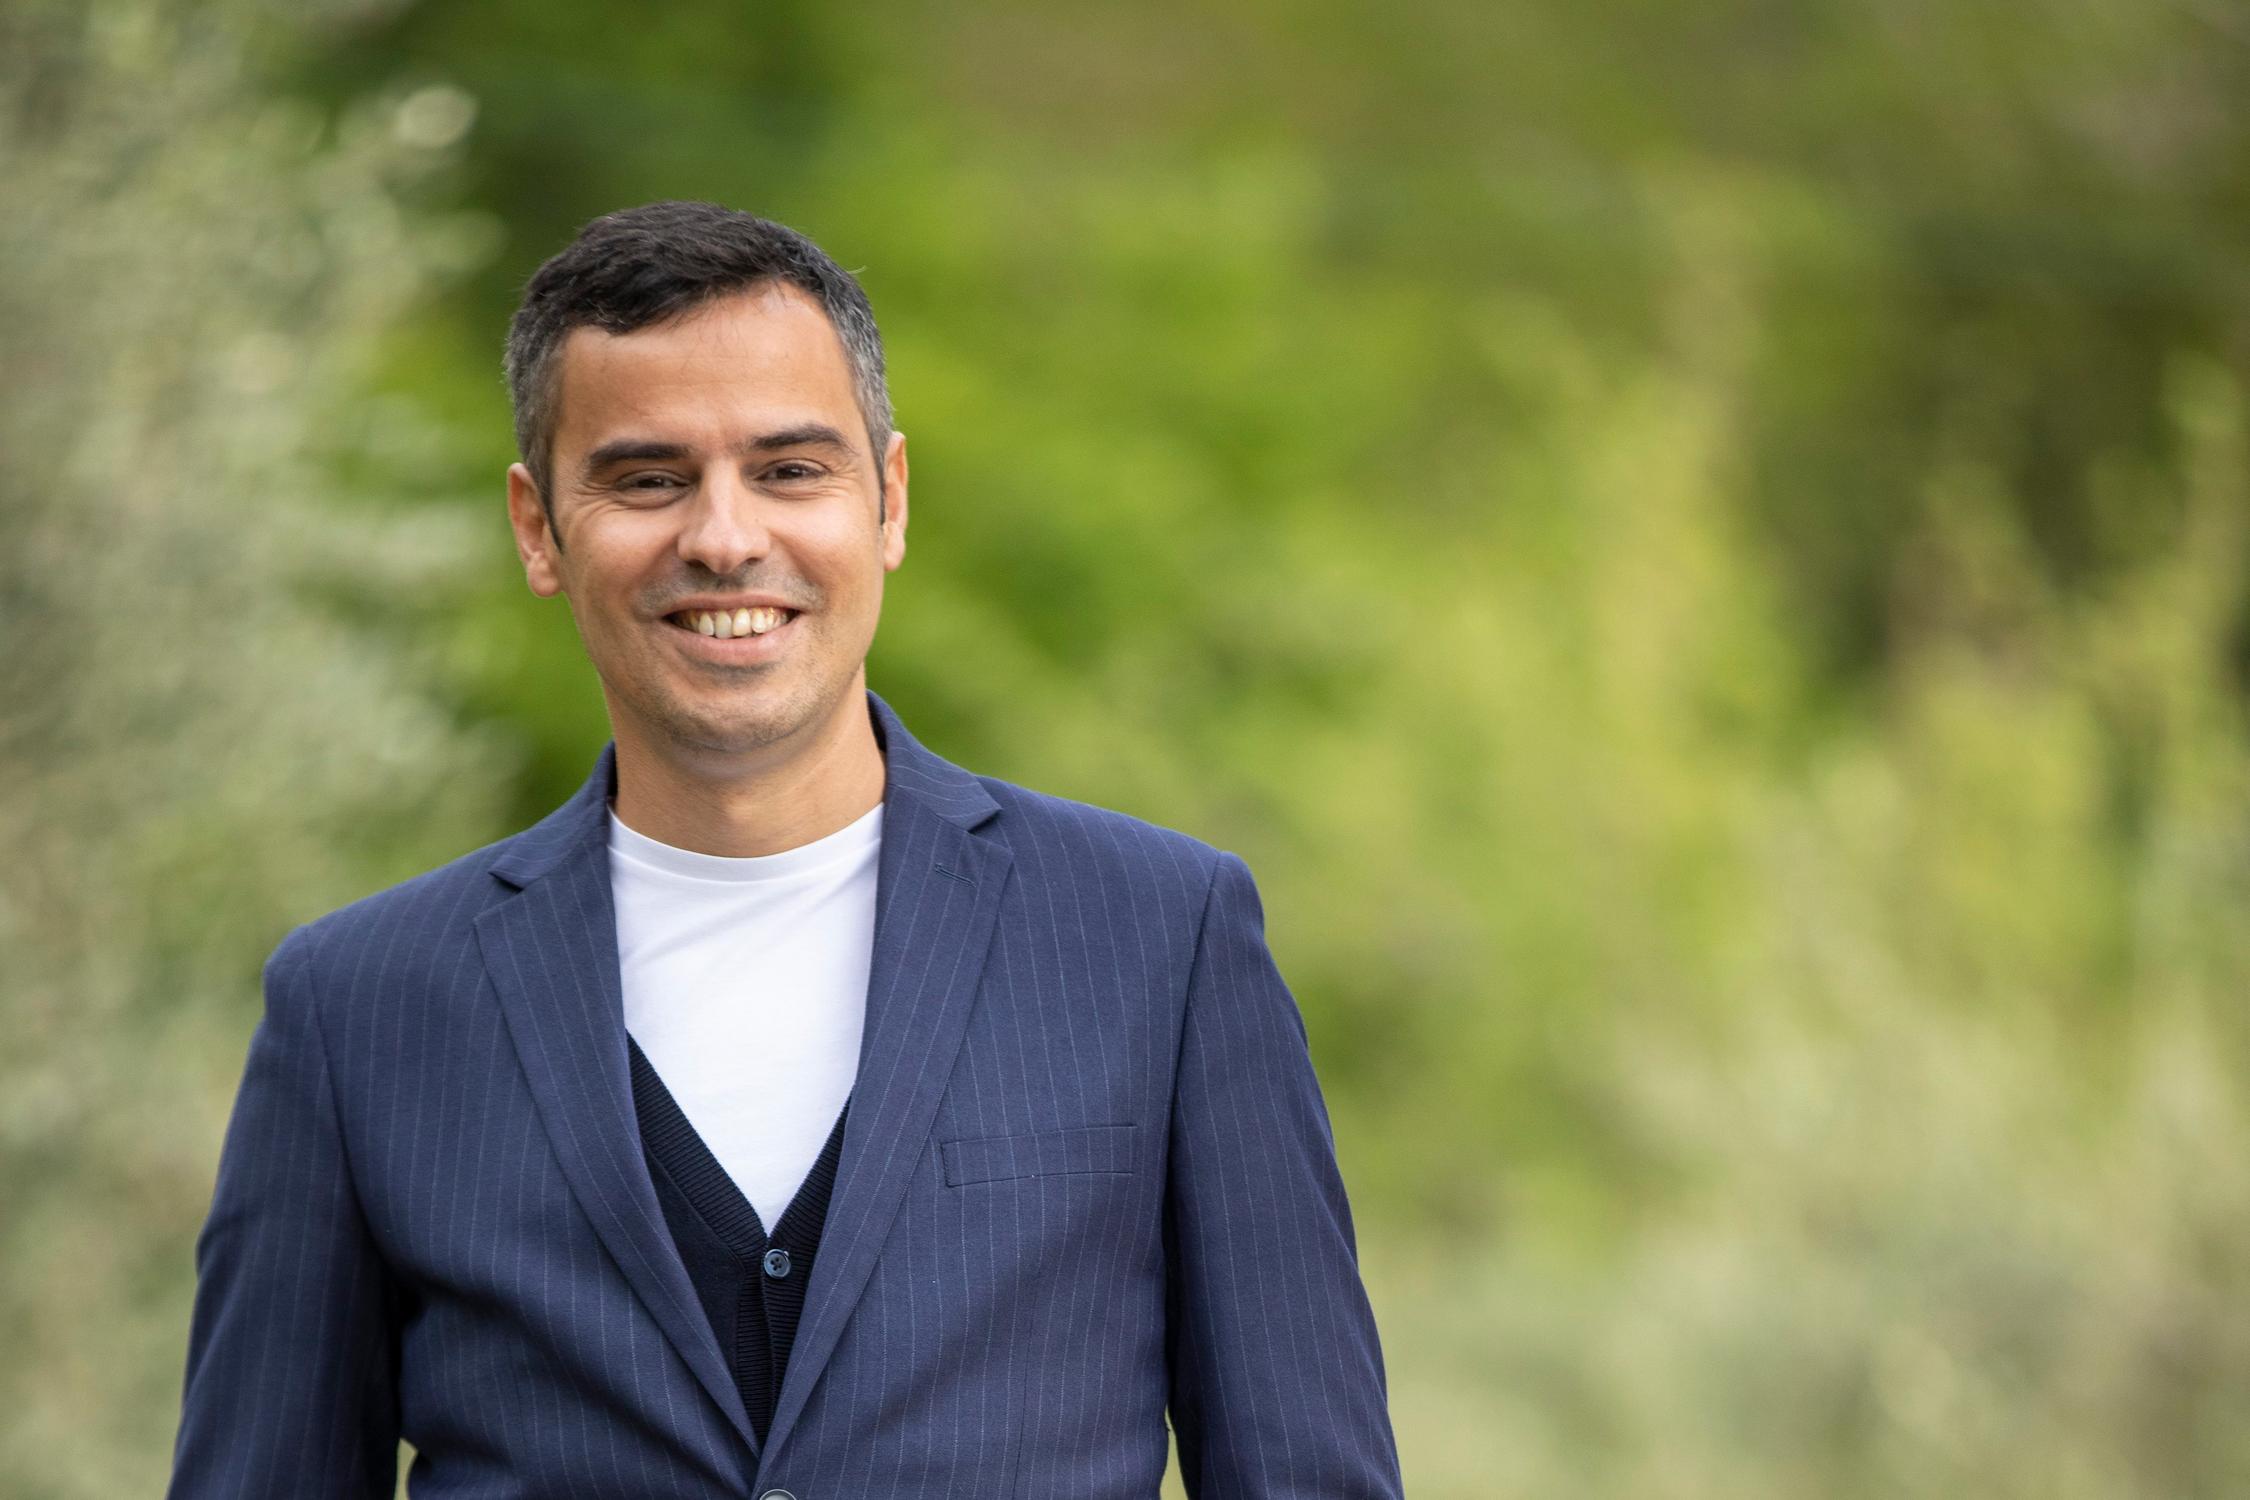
(1078, 839)
(422, 915)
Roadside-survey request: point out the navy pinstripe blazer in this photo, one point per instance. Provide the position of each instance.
(1087, 1177)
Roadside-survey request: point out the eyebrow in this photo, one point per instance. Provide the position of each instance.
(805, 435)
(649, 450)
(633, 450)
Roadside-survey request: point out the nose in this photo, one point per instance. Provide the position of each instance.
(724, 526)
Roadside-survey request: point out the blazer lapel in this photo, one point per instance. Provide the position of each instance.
(938, 891)
(551, 952)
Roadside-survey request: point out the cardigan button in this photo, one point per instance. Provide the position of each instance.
(777, 1266)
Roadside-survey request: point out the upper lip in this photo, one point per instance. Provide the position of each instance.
(729, 603)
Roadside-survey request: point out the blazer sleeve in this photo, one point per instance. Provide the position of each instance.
(292, 1360)
(1277, 1384)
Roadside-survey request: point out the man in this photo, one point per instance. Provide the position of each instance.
(791, 1113)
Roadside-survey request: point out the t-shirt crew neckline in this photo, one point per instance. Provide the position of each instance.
(851, 841)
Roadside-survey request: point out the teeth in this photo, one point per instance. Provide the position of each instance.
(725, 625)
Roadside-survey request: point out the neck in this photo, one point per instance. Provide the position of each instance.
(739, 805)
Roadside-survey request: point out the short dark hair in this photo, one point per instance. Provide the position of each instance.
(641, 266)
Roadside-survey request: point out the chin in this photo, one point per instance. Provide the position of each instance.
(732, 736)
(739, 732)
(723, 724)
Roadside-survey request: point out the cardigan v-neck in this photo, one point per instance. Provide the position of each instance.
(750, 1282)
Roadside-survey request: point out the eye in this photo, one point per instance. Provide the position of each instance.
(793, 470)
(650, 481)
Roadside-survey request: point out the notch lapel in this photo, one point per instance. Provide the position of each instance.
(551, 952)
(938, 889)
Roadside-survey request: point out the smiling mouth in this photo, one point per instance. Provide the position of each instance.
(723, 624)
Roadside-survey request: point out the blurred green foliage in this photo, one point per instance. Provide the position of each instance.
(1698, 551)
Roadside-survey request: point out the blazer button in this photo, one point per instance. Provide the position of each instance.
(777, 1495)
(777, 1266)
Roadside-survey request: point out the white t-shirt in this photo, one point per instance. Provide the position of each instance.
(746, 986)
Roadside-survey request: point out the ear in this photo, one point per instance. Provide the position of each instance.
(535, 544)
(894, 502)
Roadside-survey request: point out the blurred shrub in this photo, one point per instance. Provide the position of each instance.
(1940, 1186)
(200, 744)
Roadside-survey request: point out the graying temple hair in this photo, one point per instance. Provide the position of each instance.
(640, 266)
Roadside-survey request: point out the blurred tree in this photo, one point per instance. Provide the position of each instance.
(200, 743)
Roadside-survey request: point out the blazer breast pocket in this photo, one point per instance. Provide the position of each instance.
(1045, 1153)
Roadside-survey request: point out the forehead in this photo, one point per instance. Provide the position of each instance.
(723, 370)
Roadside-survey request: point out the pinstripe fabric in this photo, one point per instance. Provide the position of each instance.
(1086, 1172)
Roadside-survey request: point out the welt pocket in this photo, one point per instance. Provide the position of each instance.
(1045, 1153)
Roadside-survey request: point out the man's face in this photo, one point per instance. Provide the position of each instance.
(711, 476)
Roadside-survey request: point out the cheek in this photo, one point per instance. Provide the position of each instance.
(612, 566)
(846, 560)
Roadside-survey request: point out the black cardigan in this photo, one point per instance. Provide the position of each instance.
(751, 1285)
